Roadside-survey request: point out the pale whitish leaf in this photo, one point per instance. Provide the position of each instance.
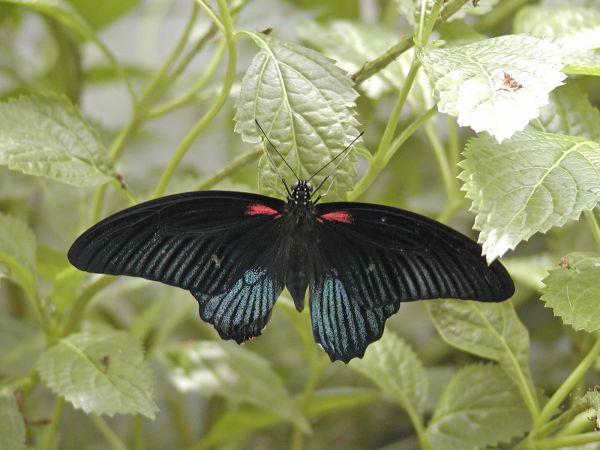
(574, 28)
(17, 252)
(569, 112)
(20, 343)
(488, 330)
(100, 373)
(393, 365)
(223, 369)
(573, 291)
(305, 104)
(478, 408)
(469, 81)
(351, 44)
(12, 425)
(407, 9)
(483, 7)
(582, 63)
(46, 135)
(528, 184)
(529, 270)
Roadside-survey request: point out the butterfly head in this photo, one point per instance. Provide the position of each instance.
(301, 192)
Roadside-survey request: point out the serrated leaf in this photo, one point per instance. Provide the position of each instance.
(469, 81)
(480, 407)
(488, 330)
(305, 104)
(223, 369)
(351, 44)
(100, 373)
(393, 366)
(573, 291)
(569, 112)
(17, 252)
(20, 344)
(529, 270)
(582, 63)
(12, 425)
(574, 28)
(48, 136)
(528, 184)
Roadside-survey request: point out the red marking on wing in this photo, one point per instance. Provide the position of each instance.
(338, 216)
(256, 209)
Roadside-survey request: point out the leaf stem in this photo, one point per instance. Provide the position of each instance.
(562, 420)
(567, 386)
(232, 167)
(370, 68)
(49, 435)
(215, 108)
(568, 441)
(594, 225)
(442, 161)
(112, 438)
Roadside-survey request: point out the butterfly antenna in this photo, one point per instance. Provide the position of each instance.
(275, 148)
(344, 152)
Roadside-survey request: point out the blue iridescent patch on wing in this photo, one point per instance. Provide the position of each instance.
(241, 312)
(345, 326)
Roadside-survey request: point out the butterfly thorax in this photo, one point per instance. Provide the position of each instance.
(300, 209)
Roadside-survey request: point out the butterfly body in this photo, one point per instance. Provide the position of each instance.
(235, 252)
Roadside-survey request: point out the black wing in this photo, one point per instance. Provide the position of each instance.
(374, 257)
(221, 246)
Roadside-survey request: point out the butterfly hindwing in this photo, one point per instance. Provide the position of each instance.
(211, 243)
(375, 257)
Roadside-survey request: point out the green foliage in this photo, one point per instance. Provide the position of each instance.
(573, 289)
(469, 81)
(12, 427)
(478, 408)
(101, 373)
(161, 114)
(48, 136)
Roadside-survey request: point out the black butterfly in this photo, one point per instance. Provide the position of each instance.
(235, 252)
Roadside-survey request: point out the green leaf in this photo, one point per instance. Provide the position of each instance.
(305, 104)
(529, 270)
(17, 252)
(48, 136)
(586, 63)
(223, 369)
(469, 81)
(573, 291)
(478, 408)
(20, 344)
(488, 330)
(574, 28)
(351, 44)
(100, 14)
(244, 420)
(393, 366)
(12, 425)
(569, 112)
(100, 373)
(528, 184)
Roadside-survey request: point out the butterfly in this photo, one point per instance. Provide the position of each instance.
(235, 252)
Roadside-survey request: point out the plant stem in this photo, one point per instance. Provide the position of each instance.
(568, 441)
(442, 161)
(565, 420)
(567, 386)
(138, 433)
(48, 440)
(81, 303)
(232, 167)
(594, 225)
(112, 438)
(415, 418)
(380, 160)
(212, 112)
(381, 62)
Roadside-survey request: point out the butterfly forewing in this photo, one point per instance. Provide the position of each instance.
(211, 243)
(374, 257)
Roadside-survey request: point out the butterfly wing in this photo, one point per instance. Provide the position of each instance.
(221, 246)
(372, 257)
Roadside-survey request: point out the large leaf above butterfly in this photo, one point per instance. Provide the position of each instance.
(235, 252)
